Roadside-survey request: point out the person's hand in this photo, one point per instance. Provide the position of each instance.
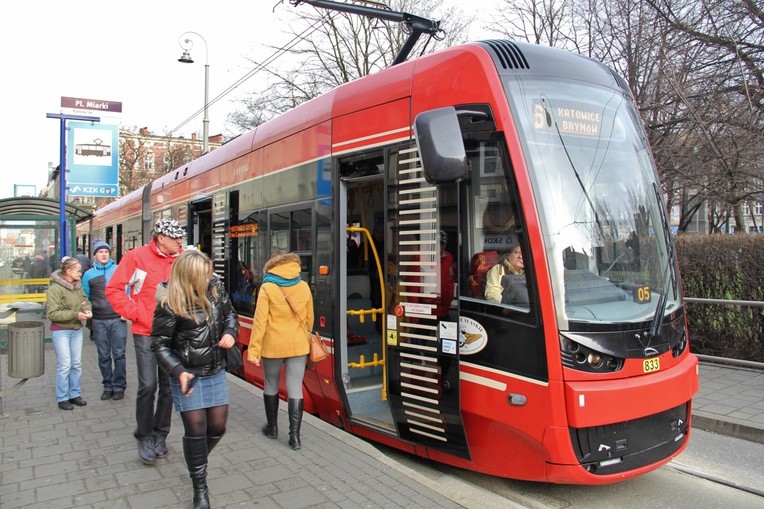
(82, 315)
(227, 341)
(187, 381)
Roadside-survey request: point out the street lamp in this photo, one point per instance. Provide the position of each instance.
(187, 45)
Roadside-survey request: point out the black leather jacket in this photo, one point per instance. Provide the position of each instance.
(181, 344)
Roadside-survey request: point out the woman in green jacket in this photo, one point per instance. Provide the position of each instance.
(67, 308)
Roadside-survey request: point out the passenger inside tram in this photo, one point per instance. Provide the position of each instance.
(510, 264)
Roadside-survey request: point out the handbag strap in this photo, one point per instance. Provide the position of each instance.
(294, 310)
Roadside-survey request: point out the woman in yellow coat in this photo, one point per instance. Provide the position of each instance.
(280, 336)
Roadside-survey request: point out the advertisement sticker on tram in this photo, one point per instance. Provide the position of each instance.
(472, 336)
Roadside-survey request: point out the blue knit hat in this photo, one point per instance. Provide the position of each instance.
(99, 244)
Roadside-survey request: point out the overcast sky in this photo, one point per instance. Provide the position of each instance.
(125, 52)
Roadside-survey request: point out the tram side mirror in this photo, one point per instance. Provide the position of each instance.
(440, 145)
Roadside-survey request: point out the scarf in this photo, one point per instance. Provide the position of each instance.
(273, 278)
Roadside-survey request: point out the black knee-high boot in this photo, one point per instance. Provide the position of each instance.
(212, 441)
(195, 451)
(271, 429)
(295, 420)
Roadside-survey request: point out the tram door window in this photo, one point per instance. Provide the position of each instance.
(359, 336)
(109, 238)
(201, 213)
(244, 248)
(497, 285)
(118, 242)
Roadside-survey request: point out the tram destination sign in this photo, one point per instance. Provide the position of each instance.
(243, 230)
(570, 118)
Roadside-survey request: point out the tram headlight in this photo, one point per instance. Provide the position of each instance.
(577, 356)
(595, 360)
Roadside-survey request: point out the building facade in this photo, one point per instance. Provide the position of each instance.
(143, 157)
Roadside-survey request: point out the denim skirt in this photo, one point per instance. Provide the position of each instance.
(209, 391)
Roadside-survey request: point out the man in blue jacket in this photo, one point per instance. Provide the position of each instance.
(109, 329)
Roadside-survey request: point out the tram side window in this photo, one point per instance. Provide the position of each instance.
(293, 232)
(496, 271)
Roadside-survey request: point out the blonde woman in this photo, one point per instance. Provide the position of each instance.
(193, 323)
(279, 336)
(510, 263)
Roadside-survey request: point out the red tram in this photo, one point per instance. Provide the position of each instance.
(585, 376)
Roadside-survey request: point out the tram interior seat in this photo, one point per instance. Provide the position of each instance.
(363, 337)
(479, 266)
(359, 286)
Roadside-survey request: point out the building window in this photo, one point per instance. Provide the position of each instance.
(148, 161)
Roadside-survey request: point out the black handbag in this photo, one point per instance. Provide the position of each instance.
(233, 358)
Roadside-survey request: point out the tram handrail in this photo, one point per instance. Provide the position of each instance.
(361, 313)
(380, 275)
(363, 364)
(729, 302)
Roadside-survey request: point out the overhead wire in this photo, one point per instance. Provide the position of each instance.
(260, 66)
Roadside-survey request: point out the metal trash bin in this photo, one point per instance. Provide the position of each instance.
(26, 355)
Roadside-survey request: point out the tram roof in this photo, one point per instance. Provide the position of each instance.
(17, 208)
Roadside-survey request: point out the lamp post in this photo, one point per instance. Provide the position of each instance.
(186, 45)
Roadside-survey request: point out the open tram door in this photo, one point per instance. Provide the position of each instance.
(208, 226)
(200, 225)
(359, 343)
(415, 392)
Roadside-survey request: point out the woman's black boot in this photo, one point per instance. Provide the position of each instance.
(195, 451)
(212, 441)
(271, 429)
(295, 420)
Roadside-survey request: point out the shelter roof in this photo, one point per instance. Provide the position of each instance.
(16, 208)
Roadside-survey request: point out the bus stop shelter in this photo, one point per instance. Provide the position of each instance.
(40, 214)
(29, 233)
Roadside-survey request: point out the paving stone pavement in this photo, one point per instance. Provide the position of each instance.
(730, 401)
(87, 458)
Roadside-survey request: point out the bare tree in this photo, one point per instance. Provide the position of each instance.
(338, 47)
(695, 69)
(546, 22)
(725, 97)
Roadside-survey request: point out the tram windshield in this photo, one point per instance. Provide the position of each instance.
(599, 202)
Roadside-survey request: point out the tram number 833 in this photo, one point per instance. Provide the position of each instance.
(650, 365)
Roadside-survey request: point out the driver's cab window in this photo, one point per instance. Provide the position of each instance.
(496, 250)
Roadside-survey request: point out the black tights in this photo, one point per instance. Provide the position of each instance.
(205, 421)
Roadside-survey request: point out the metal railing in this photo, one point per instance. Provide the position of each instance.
(752, 303)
